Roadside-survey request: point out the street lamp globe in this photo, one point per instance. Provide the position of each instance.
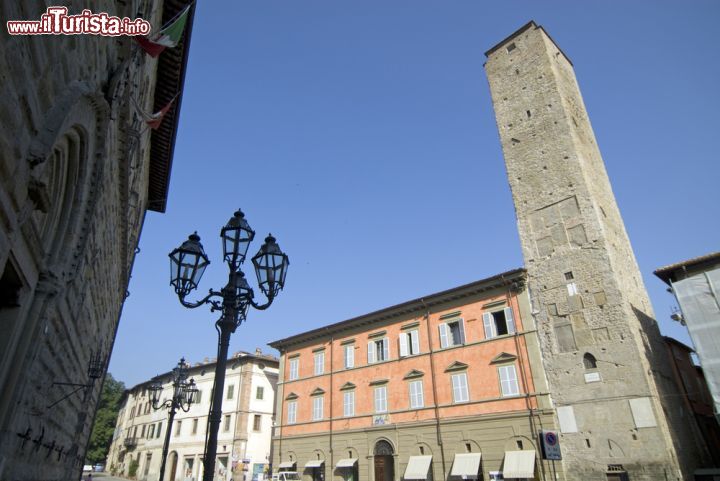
(236, 237)
(270, 267)
(155, 392)
(187, 265)
(191, 391)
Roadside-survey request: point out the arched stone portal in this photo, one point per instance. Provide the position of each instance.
(384, 461)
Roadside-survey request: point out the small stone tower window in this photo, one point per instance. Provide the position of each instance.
(589, 361)
(511, 47)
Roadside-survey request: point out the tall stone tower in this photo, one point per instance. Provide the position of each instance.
(602, 349)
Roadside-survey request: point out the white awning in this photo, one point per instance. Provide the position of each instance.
(466, 465)
(314, 463)
(418, 467)
(287, 465)
(346, 463)
(519, 464)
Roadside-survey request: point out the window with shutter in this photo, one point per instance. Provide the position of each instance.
(292, 412)
(414, 342)
(349, 403)
(499, 323)
(460, 387)
(510, 320)
(381, 399)
(489, 325)
(349, 356)
(443, 335)
(403, 344)
(416, 395)
(371, 353)
(508, 381)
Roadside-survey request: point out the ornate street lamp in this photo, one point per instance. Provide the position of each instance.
(187, 264)
(183, 396)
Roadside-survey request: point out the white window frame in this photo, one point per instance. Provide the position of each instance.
(417, 399)
(349, 403)
(294, 369)
(446, 338)
(490, 326)
(460, 389)
(374, 353)
(319, 363)
(508, 381)
(318, 405)
(380, 398)
(409, 343)
(349, 355)
(292, 412)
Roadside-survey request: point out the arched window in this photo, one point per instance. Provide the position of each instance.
(589, 361)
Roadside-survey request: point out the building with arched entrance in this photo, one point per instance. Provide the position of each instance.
(442, 387)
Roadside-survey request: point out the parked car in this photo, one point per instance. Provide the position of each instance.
(98, 468)
(286, 476)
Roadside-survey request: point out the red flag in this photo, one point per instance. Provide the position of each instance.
(153, 49)
(155, 120)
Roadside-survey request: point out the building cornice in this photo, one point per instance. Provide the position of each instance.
(514, 277)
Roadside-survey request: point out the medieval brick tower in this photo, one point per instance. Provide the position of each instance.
(602, 349)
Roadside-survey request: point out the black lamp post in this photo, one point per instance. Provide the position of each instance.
(187, 264)
(183, 396)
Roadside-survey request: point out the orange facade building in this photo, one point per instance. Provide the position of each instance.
(444, 386)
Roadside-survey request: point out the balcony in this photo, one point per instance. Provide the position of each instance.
(130, 442)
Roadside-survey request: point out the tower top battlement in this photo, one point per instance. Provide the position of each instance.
(530, 25)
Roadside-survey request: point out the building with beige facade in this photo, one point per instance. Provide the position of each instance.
(446, 386)
(244, 436)
(78, 171)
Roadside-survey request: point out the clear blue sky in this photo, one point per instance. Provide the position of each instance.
(361, 134)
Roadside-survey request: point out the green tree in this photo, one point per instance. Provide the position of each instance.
(105, 420)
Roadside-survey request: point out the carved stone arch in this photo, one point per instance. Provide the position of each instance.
(463, 446)
(79, 117)
(318, 454)
(511, 444)
(383, 447)
(422, 449)
(67, 158)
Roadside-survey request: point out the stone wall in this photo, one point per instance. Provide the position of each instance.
(602, 349)
(74, 169)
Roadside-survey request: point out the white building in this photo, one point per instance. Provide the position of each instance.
(243, 451)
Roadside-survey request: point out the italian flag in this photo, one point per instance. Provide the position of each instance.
(155, 120)
(168, 37)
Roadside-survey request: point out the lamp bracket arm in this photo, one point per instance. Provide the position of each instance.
(204, 300)
(262, 307)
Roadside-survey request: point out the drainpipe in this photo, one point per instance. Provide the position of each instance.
(279, 401)
(438, 432)
(332, 463)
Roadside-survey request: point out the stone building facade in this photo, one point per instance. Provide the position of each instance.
(586, 290)
(448, 386)
(244, 436)
(78, 170)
